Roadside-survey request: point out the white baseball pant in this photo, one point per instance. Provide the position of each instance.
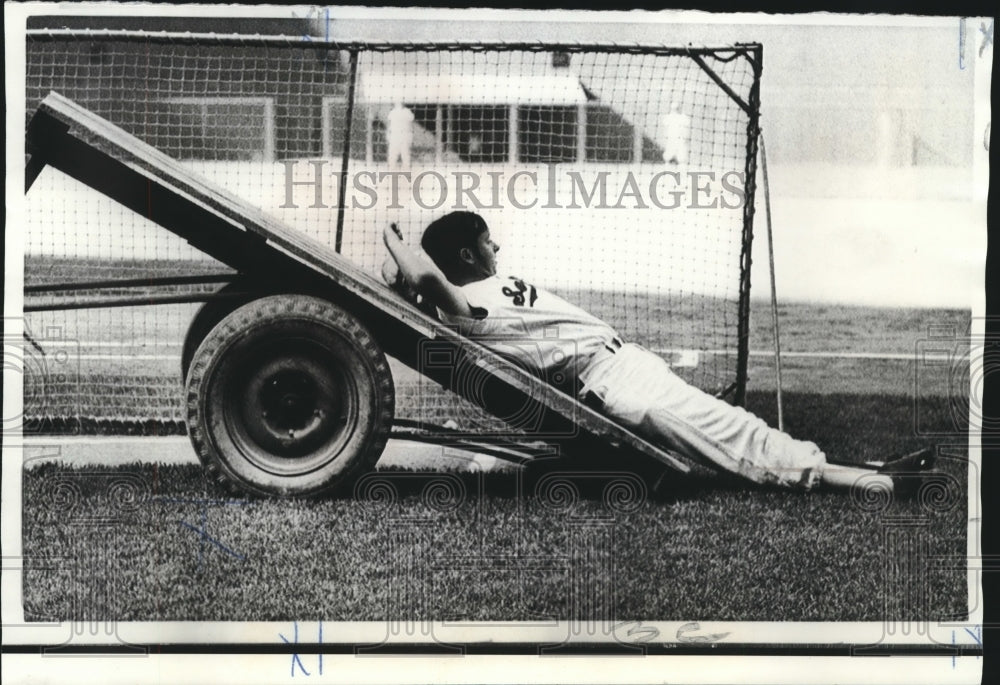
(639, 389)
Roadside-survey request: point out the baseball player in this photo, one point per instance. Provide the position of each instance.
(676, 129)
(400, 128)
(457, 273)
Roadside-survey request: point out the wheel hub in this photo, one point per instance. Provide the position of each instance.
(293, 404)
(290, 402)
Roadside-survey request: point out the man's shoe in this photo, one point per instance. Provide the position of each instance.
(909, 472)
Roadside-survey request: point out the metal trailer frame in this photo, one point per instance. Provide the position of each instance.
(280, 259)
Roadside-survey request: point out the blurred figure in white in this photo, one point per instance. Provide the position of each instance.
(400, 125)
(475, 146)
(676, 127)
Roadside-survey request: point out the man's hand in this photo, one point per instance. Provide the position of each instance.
(394, 279)
(392, 230)
(390, 273)
(421, 275)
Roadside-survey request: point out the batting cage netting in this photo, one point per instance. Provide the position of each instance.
(620, 177)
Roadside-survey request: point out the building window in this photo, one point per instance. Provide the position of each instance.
(212, 128)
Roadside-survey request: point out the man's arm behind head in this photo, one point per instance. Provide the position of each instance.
(421, 276)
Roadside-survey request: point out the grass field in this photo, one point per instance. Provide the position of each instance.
(473, 546)
(485, 546)
(147, 542)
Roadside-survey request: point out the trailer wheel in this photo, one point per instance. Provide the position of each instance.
(289, 396)
(231, 296)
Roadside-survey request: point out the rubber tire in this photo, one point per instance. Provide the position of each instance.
(234, 294)
(260, 336)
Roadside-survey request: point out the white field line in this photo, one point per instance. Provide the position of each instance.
(39, 441)
(113, 450)
(106, 450)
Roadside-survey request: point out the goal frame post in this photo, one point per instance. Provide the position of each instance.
(755, 54)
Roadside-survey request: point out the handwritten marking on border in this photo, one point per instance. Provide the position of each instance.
(683, 636)
(295, 655)
(637, 632)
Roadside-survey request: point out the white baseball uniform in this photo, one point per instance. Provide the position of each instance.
(547, 334)
(400, 122)
(676, 130)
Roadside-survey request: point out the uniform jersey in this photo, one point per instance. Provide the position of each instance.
(535, 328)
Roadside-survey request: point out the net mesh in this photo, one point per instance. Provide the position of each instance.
(614, 177)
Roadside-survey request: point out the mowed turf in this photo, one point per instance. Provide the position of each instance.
(142, 542)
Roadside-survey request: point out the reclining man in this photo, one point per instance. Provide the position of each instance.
(630, 384)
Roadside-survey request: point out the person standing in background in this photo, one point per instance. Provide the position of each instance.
(400, 125)
(676, 128)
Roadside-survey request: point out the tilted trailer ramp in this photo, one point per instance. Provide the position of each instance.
(287, 389)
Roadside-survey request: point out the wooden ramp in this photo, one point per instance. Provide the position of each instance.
(281, 259)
